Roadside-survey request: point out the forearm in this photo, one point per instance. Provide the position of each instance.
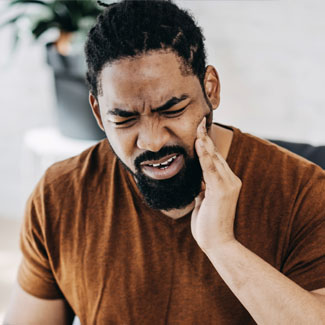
(27, 309)
(268, 295)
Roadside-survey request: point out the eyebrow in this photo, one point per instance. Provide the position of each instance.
(170, 103)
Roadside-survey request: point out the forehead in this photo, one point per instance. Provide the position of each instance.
(151, 77)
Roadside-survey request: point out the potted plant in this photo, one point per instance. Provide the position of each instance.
(72, 19)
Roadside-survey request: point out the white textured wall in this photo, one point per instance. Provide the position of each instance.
(271, 59)
(26, 101)
(270, 56)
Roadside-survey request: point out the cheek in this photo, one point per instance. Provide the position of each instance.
(122, 146)
(187, 132)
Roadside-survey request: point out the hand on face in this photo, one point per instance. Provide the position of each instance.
(213, 216)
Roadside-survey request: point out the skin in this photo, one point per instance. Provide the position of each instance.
(145, 83)
(269, 296)
(29, 310)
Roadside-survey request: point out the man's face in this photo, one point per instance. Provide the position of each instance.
(150, 111)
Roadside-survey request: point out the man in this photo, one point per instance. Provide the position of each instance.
(174, 219)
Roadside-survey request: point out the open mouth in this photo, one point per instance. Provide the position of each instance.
(164, 168)
(164, 164)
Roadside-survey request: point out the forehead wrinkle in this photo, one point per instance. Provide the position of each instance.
(144, 106)
(150, 104)
(144, 91)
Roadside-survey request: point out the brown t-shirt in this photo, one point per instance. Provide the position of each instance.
(88, 237)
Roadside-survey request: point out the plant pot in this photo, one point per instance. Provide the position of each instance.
(74, 115)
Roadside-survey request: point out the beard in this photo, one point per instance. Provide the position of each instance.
(176, 192)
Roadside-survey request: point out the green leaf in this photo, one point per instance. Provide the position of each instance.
(66, 15)
(42, 26)
(67, 20)
(74, 7)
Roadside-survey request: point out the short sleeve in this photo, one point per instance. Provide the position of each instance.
(305, 257)
(34, 274)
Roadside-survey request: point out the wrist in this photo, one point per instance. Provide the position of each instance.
(222, 248)
(219, 246)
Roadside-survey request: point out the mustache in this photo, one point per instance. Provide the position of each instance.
(149, 155)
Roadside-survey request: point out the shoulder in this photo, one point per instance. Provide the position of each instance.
(71, 187)
(282, 193)
(266, 160)
(68, 178)
(276, 182)
(91, 162)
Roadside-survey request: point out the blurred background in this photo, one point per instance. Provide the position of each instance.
(270, 56)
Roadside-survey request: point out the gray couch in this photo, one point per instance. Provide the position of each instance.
(315, 154)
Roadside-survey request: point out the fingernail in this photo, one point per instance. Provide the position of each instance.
(203, 122)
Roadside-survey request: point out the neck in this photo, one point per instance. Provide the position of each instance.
(179, 213)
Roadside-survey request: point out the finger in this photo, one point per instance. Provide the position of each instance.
(227, 169)
(210, 146)
(209, 160)
(222, 160)
(202, 134)
(212, 171)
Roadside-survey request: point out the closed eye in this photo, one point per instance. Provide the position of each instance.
(170, 113)
(124, 122)
(175, 112)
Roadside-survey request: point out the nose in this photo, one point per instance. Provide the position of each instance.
(152, 137)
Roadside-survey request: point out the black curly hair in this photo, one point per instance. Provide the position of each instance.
(131, 27)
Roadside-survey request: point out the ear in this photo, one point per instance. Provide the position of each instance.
(95, 108)
(212, 86)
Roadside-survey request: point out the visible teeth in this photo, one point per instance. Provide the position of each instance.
(164, 163)
(171, 159)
